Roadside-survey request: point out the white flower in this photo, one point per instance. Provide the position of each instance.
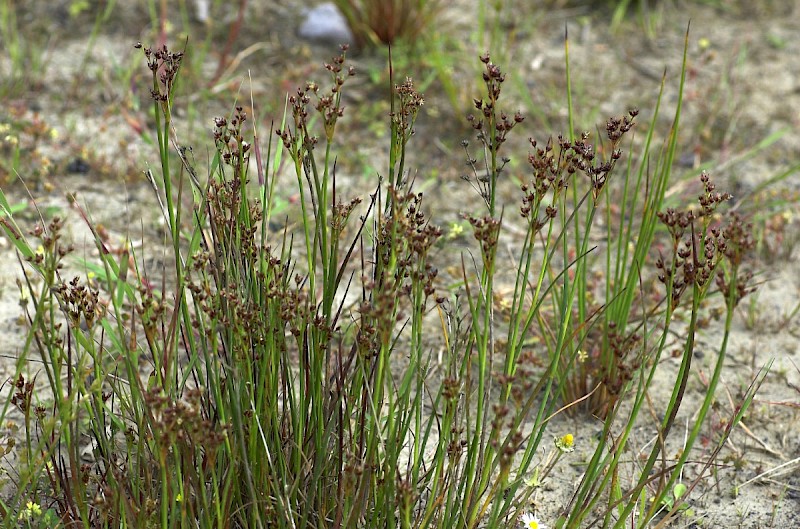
(530, 521)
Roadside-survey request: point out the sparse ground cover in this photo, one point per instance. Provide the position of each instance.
(271, 327)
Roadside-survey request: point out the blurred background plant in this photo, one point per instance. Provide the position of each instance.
(390, 22)
(20, 148)
(25, 53)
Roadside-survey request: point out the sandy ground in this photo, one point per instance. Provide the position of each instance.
(743, 86)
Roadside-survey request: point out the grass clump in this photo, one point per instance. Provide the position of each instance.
(380, 22)
(280, 378)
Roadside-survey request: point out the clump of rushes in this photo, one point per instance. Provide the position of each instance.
(548, 210)
(612, 356)
(601, 347)
(704, 253)
(274, 383)
(381, 22)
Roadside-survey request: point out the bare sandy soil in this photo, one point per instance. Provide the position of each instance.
(743, 87)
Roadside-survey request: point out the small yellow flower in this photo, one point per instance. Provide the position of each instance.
(530, 521)
(31, 510)
(456, 230)
(179, 498)
(566, 443)
(704, 43)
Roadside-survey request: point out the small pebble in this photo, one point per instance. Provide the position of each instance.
(325, 24)
(202, 10)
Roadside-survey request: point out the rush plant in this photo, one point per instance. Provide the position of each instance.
(380, 22)
(290, 377)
